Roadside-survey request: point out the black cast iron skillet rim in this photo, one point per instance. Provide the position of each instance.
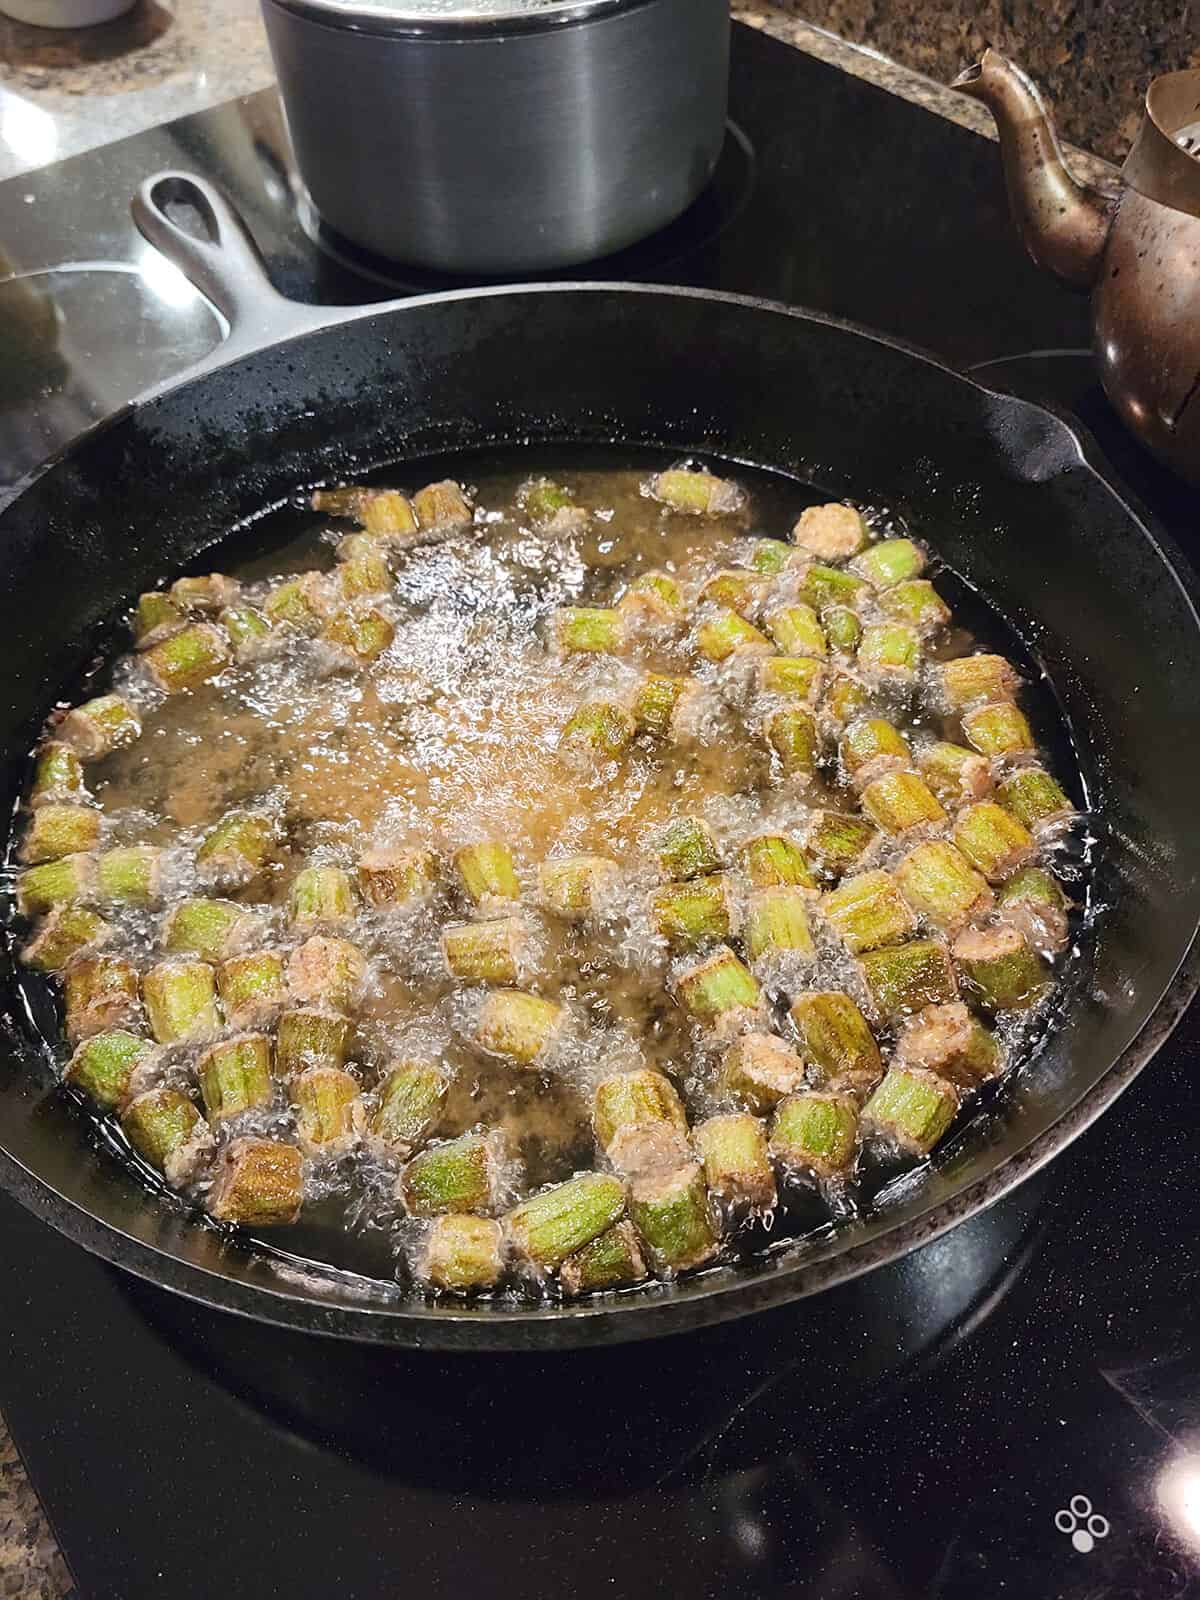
(726, 1293)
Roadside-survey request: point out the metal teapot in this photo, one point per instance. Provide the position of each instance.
(1138, 251)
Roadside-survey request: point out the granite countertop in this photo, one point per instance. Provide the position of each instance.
(63, 93)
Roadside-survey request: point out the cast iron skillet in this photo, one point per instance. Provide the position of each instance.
(1003, 489)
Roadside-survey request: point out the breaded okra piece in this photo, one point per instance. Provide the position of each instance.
(385, 513)
(551, 507)
(488, 872)
(815, 1134)
(167, 1130)
(868, 910)
(57, 776)
(889, 652)
(797, 630)
(941, 885)
(736, 588)
(843, 629)
(235, 851)
(977, 680)
(64, 882)
(443, 508)
(67, 932)
(911, 1108)
(686, 849)
(130, 875)
(737, 1168)
(1032, 796)
(326, 972)
(612, 1261)
(235, 1076)
(100, 726)
(552, 1225)
(519, 1027)
(250, 633)
(461, 1254)
(999, 968)
(588, 629)
(393, 876)
(206, 595)
(899, 801)
(672, 1214)
(639, 1121)
(259, 1184)
(252, 988)
(658, 702)
(796, 677)
(905, 978)
(998, 730)
(301, 603)
(845, 698)
(358, 636)
(831, 532)
(774, 859)
(695, 492)
(948, 1040)
(214, 929)
(890, 562)
(870, 747)
(460, 1174)
(494, 951)
(725, 634)
(321, 897)
(100, 992)
(188, 658)
(760, 1069)
(720, 993)
(837, 841)
(776, 924)
(181, 1001)
(1032, 900)
(155, 617)
(307, 1037)
(575, 887)
(410, 1103)
(601, 728)
(653, 594)
(954, 773)
(103, 1066)
(692, 914)
(836, 1039)
(329, 1112)
(792, 735)
(362, 574)
(994, 842)
(822, 586)
(771, 556)
(917, 603)
(60, 830)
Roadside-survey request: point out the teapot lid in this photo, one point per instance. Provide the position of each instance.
(1164, 163)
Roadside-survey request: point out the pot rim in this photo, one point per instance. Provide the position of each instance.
(412, 19)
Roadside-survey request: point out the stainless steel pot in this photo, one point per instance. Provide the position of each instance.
(489, 136)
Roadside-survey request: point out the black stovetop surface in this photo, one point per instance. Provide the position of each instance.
(1012, 1410)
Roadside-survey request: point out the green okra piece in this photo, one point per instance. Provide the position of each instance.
(603, 726)
(917, 603)
(181, 1001)
(977, 680)
(64, 882)
(461, 1254)
(671, 1212)
(57, 775)
(735, 588)
(208, 594)
(905, 978)
(67, 932)
(817, 1133)
(719, 991)
(777, 924)
(486, 952)
(912, 1108)
(327, 973)
(832, 532)
(366, 573)
(760, 1070)
(999, 968)
(941, 885)
(843, 630)
(889, 650)
(519, 1026)
(100, 726)
(899, 801)
(890, 562)
(1033, 901)
(773, 859)
(130, 875)
(252, 988)
(213, 929)
(359, 635)
(725, 634)
(397, 877)
(321, 897)
(60, 830)
(630, 1103)
(845, 699)
(488, 872)
(823, 586)
(575, 886)
(796, 630)
(357, 546)
(237, 849)
(656, 594)
(167, 1130)
(583, 629)
(542, 499)
(837, 841)
(797, 677)
(387, 514)
(411, 1100)
(835, 1037)
(1032, 796)
(656, 701)
(686, 849)
(948, 1040)
(993, 841)
(103, 1066)
(793, 737)
(155, 616)
(695, 493)
(737, 1168)
(455, 1175)
(442, 507)
(307, 1037)
(869, 747)
(235, 1076)
(692, 914)
(547, 1228)
(998, 730)
(328, 1112)
(301, 603)
(954, 773)
(612, 1261)
(344, 501)
(867, 911)
(100, 992)
(186, 659)
(769, 557)
(249, 631)
(259, 1184)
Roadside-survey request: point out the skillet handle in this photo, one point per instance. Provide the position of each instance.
(226, 266)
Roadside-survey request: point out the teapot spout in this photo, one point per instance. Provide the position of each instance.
(1063, 223)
